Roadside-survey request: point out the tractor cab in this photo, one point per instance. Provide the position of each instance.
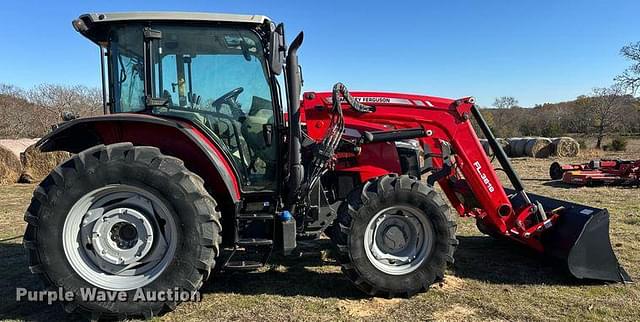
(213, 71)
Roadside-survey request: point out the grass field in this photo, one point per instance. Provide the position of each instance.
(491, 279)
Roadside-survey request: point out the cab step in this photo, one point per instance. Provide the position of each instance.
(248, 242)
(255, 216)
(243, 265)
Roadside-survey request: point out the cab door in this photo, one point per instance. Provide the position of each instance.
(219, 77)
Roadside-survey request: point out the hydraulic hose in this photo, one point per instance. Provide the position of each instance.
(339, 88)
(326, 149)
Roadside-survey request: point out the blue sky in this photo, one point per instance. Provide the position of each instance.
(537, 51)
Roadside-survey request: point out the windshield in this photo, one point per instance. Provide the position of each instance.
(214, 76)
(193, 66)
(127, 69)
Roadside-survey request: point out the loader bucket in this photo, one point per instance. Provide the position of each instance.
(580, 239)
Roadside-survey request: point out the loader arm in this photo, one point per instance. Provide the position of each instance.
(459, 165)
(445, 124)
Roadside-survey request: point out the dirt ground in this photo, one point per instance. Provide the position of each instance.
(491, 279)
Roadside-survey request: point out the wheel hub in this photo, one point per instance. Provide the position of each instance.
(119, 237)
(394, 237)
(122, 236)
(398, 239)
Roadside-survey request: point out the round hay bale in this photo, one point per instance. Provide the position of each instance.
(10, 166)
(517, 146)
(486, 147)
(17, 146)
(512, 146)
(504, 143)
(538, 147)
(36, 164)
(565, 147)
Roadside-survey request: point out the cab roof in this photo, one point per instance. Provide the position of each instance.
(172, 16)
(94, 25)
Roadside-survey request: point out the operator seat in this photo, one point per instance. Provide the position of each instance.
(229, 131)
(261, 113)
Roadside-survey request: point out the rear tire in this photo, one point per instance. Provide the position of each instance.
(394, 236)
(127, 208)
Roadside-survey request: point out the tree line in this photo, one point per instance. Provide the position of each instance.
(31, 113)
(603, 111)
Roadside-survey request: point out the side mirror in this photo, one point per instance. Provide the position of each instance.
(277, 50)
(69, 116)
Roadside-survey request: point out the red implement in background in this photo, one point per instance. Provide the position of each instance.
(598, 172)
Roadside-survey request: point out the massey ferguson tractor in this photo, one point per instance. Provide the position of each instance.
(195, 166)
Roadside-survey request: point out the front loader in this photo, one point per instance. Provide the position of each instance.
(195, 166)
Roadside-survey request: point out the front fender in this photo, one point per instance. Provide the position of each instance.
(178, 138)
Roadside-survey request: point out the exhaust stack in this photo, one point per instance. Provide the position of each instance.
(294, 84)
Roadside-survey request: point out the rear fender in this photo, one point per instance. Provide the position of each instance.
(180, 139)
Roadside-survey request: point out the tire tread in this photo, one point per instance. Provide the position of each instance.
(375, 191)
(50, 189)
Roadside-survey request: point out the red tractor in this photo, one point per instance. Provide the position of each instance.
(195, 165)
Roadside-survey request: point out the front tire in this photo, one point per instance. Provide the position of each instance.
(394, 236)
(122, 218)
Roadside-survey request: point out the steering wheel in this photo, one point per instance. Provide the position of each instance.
(230, 98)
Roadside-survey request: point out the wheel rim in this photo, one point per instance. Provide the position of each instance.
(119, 237)
(399, 239)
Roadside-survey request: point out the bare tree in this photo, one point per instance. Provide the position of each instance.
(630, 78)
(505, 102)
(11, 90)
(31, 113)
(578, 120)
(503, 116)
(17, 117)
(57, 99)
(606, 110)
(90, 103)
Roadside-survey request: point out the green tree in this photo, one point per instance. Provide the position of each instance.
(505, 102)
